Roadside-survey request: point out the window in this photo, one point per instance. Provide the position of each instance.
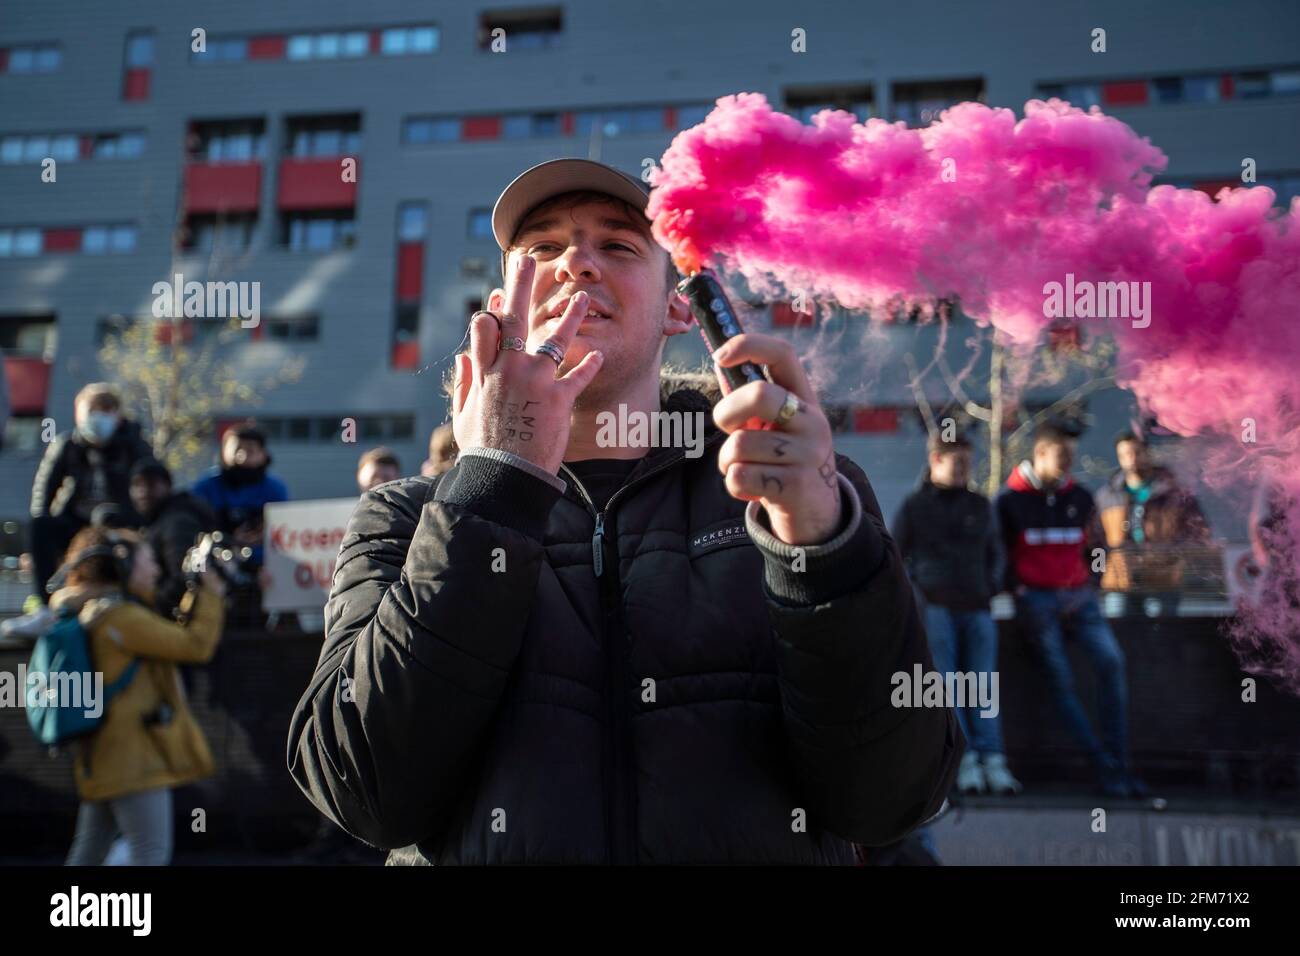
(421, 129)
(118, 146)
(35, 58)
(401, 41)
(1167, 89)
(804, 102)
(98, 240)
(1285, 82)
(94, 240)
(316, 136)
(36, 148)
(325, 428)
(299, 328)
(65, 148)
(20, 242)
(1251, 86)
(219, 234)
(234, 141)
(356, 43)
(319, 231)
(1201, 89)
(28, 336)
(480, 224)
(529, 125)
(222, 50)
(615, 122)
(300, 47)
(692, 114)
(11, 150)
(919, 104)
(538, 29)
(412, 221)
(139, 49)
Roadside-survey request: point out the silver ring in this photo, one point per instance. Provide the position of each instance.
(512, 343)
(551, 351)
(789, 408)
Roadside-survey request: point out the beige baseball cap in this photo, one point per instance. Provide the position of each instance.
(534, 186)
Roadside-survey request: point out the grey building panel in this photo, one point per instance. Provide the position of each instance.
(609, 54)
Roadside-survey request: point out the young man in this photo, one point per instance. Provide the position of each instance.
(83, 469)
(377, 466)
(173, 521)
(1050, 528)
(565, 650)
(948, 535)
(241, 487)
(1149, 522)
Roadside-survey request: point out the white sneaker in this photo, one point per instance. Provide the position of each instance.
(970, 775)
(998, 777)
(28, 625)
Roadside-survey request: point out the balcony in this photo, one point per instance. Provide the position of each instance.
(315, 184)
(222, 187)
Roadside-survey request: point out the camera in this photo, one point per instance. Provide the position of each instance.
(228, 560)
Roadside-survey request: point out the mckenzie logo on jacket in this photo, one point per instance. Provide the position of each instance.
(1048, 532)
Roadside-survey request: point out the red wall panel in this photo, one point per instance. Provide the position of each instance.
(62, 240)
(29, 384)
(315, 184)
(135, 84)
(266, 48)
(223, 187)
(410, 271)
(1130, 93)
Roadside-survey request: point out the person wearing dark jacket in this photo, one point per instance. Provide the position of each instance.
(173, 523)
(1150, 523)
(948, 536)
(81, 470)
(1053, 537)
(574, 648)
(241, 487)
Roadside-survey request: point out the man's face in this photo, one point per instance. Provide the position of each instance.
(242, 452)
(593, 248)
(374, 473)
(950, 469)
(148, 493)
(1053, 459)
(1132, 457)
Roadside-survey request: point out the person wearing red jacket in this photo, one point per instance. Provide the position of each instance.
(1052, 533)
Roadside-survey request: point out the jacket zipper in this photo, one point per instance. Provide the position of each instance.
(621, 792)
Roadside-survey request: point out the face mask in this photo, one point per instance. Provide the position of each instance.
(99, 426)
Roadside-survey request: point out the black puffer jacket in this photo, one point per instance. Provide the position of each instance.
(484, 696)
(173, 530)
(950, 540)
(63, 481)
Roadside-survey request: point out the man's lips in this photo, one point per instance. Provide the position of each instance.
(595, 310)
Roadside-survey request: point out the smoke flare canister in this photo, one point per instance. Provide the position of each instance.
(718, 323)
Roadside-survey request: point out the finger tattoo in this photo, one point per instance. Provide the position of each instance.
(779, 450)
(773, 480)
(827, 471)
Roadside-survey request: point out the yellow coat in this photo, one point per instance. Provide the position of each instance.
(125, 755)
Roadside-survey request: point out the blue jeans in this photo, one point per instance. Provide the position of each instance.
(967, 641)
(1047, 615)
(144, 818)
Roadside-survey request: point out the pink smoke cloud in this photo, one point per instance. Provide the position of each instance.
(989, 209)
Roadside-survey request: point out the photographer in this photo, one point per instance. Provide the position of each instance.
(173, 522)
(239, 490)
(148, 742)
(567, 651)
